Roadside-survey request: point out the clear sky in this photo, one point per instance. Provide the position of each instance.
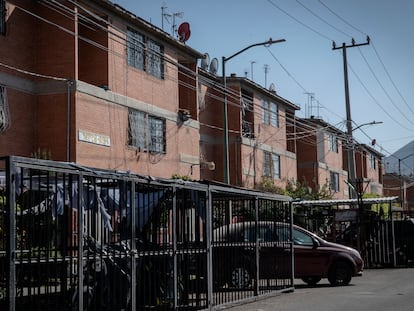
(305, 69)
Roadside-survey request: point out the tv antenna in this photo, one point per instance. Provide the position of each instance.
(168, 16)
(266, 69)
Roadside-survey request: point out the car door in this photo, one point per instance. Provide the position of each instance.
(310, 258)
(275, 252)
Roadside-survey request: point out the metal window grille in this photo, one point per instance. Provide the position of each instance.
(144, 54)
(135, 49)
(137, 129)
(146, 132)
(157, 132)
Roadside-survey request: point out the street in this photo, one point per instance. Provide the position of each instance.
(376, 290)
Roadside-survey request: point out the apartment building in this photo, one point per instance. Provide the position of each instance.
(261, 147)
(89, 82)
(369, 168)
(320, 157)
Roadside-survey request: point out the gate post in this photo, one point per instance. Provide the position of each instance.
(394, 257)
(209, 233)
(11, 229)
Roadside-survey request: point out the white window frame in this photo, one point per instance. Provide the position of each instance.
(271, 165)
(270, 114)
(333, 142)
(372, 161)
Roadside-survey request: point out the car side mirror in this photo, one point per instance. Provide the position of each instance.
(316, 243)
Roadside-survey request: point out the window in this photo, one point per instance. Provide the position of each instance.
(271, 167)
(301, 238)
(270, 113)
(334, 182)
(146, 132)
(333, 143)
(2, 17)
(4, 110)
(372, 161)
(145, 54)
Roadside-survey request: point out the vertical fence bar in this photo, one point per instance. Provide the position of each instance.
(134, 252)
(209, 233)
(257, 247)
(174, 237)
(11, 226)
(80, 241)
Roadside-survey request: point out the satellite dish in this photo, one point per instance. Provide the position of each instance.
(184, 32)
(272, 88)
(214, 65)
(205, 61)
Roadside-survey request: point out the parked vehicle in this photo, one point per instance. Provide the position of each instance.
(314, 258)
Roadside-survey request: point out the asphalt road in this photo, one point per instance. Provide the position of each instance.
(376, 290)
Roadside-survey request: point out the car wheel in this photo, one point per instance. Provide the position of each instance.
(311, 280)
(401, 258)
(340, 274)
(240, 277)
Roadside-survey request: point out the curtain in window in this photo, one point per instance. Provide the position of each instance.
(4, 110)
(137, 129)
(135, 49)
(154, 59)
(274, 115)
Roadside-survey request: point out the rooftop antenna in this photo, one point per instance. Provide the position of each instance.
(167, 17)
(174, 25)
(266, 70)
(164, 15)
(251, 67)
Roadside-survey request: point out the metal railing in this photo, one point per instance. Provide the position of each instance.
(77, 238)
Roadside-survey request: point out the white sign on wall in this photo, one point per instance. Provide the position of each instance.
(94, 138)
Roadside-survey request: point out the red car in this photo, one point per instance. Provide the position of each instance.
(314, 258)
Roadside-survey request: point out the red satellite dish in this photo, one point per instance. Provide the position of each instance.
(184, 32)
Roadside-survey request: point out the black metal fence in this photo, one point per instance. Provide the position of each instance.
(377, 227)
(75, 238)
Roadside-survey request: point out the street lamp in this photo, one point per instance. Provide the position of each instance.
(369, 123)
(225, 121)
(402, 193)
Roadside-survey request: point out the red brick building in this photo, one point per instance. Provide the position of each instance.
(320, 157)
(261, 144)
(369, 167)
(91, 83)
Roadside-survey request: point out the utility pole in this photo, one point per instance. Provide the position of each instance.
(350, 153)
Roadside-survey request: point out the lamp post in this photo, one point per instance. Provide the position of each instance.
(402, 190)
(225, 121)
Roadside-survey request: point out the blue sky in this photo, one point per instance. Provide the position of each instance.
(304, 69)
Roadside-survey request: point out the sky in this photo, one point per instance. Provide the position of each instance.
(305, 69)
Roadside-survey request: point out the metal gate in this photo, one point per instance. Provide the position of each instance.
(377, 227)
(76, 238)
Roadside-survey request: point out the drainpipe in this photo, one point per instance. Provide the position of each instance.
(69, 93)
